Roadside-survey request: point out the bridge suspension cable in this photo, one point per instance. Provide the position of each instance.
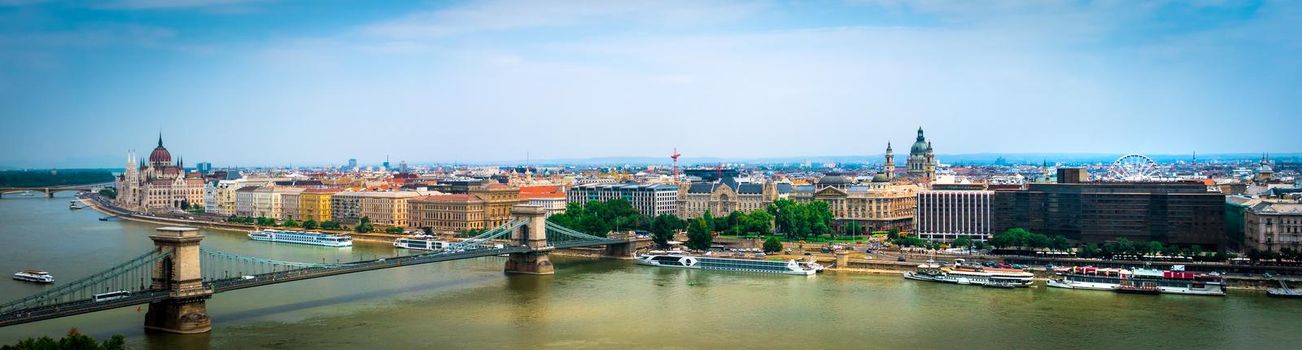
(135, 275)
(219, 265)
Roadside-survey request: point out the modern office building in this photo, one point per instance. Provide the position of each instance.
(945, 215)
(649, 199)
(1181, 213)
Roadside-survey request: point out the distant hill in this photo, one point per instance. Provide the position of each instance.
(48, 177)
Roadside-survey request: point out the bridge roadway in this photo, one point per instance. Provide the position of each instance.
(49, 191)
(238, 282)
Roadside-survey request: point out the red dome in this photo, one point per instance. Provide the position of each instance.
(160, 155)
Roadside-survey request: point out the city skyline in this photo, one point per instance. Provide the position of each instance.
(272, 82)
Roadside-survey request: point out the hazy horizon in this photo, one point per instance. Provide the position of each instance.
(237, 82)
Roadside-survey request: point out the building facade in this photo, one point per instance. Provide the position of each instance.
(159, 184)
(550, 198)
(448, 213)
(724, 197)
(498, 200)
(1180, 213)
(649, 199)
(946, 215)
(872, 208)
(1272, 225)
(244, 201)
(384, 208)
(314, 204)
(346, 207)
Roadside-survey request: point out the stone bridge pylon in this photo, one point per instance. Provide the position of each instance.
(532, 234)
(185, 310)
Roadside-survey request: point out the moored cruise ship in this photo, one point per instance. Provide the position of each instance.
(790, 267)
(34, 276)
(971, 275)
(420, 242)
(1142, 281)
(300, 237)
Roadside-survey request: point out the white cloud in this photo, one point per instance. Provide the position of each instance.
(503, 15)
(169, 4)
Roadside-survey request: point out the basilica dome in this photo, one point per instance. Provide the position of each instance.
(920, 146)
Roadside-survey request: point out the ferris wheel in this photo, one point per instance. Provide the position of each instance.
(1133, 167)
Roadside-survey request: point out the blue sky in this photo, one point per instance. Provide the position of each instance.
(316, 82)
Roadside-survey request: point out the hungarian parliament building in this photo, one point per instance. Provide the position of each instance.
(158, 185)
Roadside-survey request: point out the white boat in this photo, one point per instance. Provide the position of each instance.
(300, 237)
(34, 276)
(420, 242)
(971, 275)
(789, 267)
(1153, 281)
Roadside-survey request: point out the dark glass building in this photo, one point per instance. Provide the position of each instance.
(1181, 213)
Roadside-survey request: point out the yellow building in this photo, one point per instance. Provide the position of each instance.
(314, 204)
(385, 208)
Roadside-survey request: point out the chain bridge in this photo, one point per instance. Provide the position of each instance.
(178, 276)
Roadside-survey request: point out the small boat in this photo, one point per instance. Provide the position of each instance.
(72, 205)
(34, 276)
(1284, 291)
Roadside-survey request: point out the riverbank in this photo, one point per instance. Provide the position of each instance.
(223, 226)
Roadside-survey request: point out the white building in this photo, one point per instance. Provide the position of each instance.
(650, 200)
(949, 214)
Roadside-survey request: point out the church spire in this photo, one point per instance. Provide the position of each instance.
(160, 139)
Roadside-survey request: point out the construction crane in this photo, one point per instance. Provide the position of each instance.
(675, 156)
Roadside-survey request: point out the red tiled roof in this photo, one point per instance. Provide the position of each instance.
(447, 198)
(539, 189)
(541, 195)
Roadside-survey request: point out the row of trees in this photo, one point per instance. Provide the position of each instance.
(363, 226)
(599, 218)
(795, 220)
(1021, 238)
(799, 221)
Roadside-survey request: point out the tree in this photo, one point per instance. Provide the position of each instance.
(1154, 247)
(893, 233)
(699, 236)
(963, 241)
(1060, 243)
(73, 340)
(757, 222)
(266, 221)
(709, 221)
(663, 228)
(393, 230)
(330, 225)
(310, 224)
(290, 223)
(772, 245)
(364, 225)
(599, 218)
(853, 229)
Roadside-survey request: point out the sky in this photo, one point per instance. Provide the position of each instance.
(242, 82)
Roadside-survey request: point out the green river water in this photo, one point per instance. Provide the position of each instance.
(603, 304)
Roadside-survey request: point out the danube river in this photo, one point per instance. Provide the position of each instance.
(601, 304)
